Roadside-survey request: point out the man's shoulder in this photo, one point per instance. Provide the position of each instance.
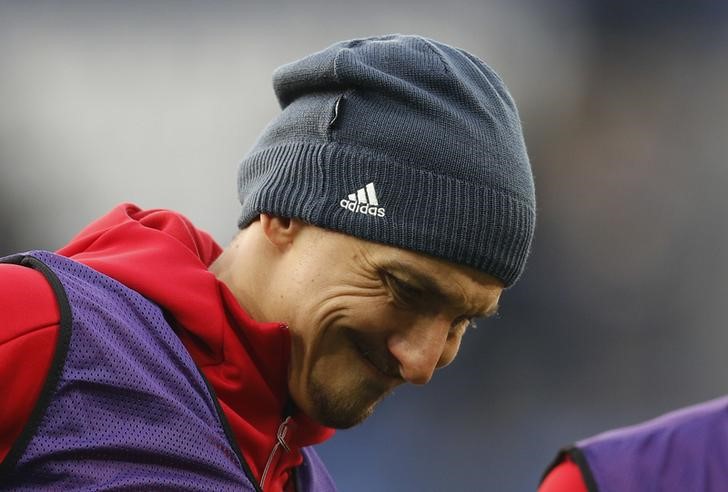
(27, 302)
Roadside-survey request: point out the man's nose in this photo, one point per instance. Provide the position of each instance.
(419, 348)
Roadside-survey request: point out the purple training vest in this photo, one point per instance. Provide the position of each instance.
(124, 406)
(682, 451)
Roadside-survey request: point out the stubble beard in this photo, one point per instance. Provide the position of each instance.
(345, 409)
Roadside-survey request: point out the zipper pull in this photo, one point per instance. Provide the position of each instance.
(280, 443)
(282, 432)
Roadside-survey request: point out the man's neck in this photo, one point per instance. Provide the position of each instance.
(241, 267)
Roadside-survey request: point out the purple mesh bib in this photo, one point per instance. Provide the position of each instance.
(124, 407)
(682, 451)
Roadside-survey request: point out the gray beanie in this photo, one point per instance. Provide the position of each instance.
(400, 140)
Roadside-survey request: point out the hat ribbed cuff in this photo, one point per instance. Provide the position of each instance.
(481, 227)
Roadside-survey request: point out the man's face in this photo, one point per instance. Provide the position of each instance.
(366, 317)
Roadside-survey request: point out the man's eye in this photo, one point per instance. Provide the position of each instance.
(403, 293)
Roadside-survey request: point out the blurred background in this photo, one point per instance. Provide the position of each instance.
(619, 316)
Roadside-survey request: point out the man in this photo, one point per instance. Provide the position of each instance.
(388, 204)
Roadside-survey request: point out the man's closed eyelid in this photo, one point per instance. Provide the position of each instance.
(400, 286)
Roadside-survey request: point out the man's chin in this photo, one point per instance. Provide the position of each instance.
(340, 420)
(339, 411)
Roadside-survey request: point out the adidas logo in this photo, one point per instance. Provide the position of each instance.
(364, 201)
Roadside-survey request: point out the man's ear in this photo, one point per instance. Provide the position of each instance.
(280, 231)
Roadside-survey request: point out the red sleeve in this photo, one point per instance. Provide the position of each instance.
(29, 324)
(565, 477)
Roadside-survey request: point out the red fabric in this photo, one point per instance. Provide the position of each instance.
(29, 318)
(161, 255)
(565, 477)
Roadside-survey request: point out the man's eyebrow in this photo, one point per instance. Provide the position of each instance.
(489, 312)
(430, 285)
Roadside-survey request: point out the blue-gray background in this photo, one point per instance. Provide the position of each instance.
(619, 315)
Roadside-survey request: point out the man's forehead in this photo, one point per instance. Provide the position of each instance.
(409, 261)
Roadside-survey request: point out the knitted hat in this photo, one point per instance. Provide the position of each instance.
(400, 140)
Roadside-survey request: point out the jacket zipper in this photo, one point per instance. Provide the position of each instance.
(280, 443)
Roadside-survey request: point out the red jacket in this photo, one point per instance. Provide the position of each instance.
(161, 255)
(565, 477)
